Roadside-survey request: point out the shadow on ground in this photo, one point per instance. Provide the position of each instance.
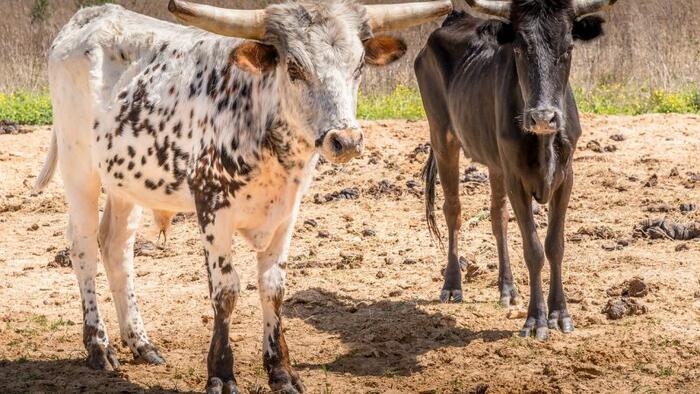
(65, 376)
(384, 337)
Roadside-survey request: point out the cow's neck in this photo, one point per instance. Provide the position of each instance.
(257, 125)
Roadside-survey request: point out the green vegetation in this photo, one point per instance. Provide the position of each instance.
(26, 108)
(405, 103)
(618, 100)
(402, 103)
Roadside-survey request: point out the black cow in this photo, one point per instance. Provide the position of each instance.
(498, 88)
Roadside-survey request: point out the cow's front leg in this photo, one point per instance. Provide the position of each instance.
(224, 288)
(559, 317)
(271, 263)
(536, 323)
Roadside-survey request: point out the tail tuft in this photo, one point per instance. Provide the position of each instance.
(429, 177)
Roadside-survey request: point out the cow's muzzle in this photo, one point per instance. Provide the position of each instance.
(543, 120)
(341, 146)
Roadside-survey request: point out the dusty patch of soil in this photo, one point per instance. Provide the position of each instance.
(364, 277)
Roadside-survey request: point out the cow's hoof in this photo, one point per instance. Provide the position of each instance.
(149, 354)
(102, 357)
(217, 386)
(298, 384)
(451, 296)
(532, 329)
(560, 320)
(509, 296)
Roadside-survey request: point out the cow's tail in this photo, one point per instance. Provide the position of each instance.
(429, 175)
(49, 166)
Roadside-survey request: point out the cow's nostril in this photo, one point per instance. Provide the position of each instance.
(337, 145)
(533, 118)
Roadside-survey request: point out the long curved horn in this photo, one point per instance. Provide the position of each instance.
(248, 24)
(500, 9)
(383, 17)
(585, 7)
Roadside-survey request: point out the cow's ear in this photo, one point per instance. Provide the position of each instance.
(382, 50)
(588, 28)
(255, 58)
(505, 34)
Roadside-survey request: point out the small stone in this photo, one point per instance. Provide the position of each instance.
(33, 227)
(410, 261)
(516, 314)
(395, 293)
(624, 242)
(380, 275)
(324, 234)
(251, 286)
(310, 223)
(368, 232)
(609, 247)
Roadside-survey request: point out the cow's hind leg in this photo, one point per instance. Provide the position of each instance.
(224, 289)
(536, 322)
(559, 317)
(446, 150)
(117, 234)
(499, 226)
(282, 378)
(82, 191)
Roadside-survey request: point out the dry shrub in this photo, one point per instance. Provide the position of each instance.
(649, 43)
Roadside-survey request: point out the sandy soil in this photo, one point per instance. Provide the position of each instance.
(361, 310)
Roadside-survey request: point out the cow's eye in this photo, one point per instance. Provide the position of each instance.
(295, 72)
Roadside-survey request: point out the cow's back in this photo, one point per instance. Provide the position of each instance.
(457, 72)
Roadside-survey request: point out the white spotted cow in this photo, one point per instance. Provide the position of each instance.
(229, 125)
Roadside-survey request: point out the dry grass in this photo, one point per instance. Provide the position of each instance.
(649, 43)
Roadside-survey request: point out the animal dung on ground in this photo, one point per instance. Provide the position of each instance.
(350, 193)
(618, 137)
(597, 232)
(652, 181)
(473, 175)
(10, 127)
(62, 259)
(634, 287)
(667, 229)
(618, 308)
(687, 207)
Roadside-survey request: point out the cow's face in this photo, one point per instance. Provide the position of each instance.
(542, 39)
(317, 49)
(319, 54)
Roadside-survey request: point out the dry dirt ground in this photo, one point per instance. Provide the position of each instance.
(364, 277)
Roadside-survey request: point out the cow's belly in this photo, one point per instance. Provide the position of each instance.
(150, 170)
